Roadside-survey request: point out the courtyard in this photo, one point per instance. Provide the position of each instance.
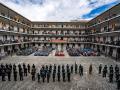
(87, 82)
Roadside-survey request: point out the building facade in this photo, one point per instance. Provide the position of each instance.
(101, 33)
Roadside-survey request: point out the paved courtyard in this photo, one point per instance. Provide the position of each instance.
(87, 82)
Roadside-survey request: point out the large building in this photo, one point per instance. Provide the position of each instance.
(101, 33)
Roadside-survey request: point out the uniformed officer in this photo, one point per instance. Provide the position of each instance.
(28, 67)
(105, 71)
(54, 66)
(116, 69)
(111, 68)
(25, 71)
(24, 65)
(15, 75)
(33, 66)
(68, 75)
(33, 74)
(3, 74)
(50, 68)
(117, 76)
(8, 71)
(48, 76)
(58, 75)
(100, 68)
(63, 75)
(21, 74)
(43, 75)
(67, 66)
(63, 67)
(81, 70)
(10, 66)
(14, 67)
(76, 66)
(71, 68)
(54, 74)
(111, 77)
(59, 68)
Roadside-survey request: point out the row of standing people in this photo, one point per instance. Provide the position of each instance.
(45, 72)
(111, 72)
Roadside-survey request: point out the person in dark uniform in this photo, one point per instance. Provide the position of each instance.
(59, 68)
(117, 76)
(68, 75)
(111, 77)
(14, 67)
(105, 71)
(54, 66)
(67, 66)
(43, 75)
(48, 76)
(54, 74)
(19, 67)
(33, 74)
(8, 71)
(76, 66)
(28, 67)
(71, 68)
(50, 68)
(3, 74)
(63, 75)
(33, 66)
(10, 66)
(25, 71)
(100, 68)
(81, 70)
(116, 72)
(38, 76)
(63, 67)
(21, 75)
(58, 75)
(15, 75)
(24, 65)
(111, 68)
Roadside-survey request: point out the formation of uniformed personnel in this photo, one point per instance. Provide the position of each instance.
(22, 70)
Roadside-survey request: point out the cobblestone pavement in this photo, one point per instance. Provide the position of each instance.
(87, 82)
